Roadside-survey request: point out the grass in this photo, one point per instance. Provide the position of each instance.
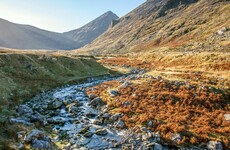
(24, 74)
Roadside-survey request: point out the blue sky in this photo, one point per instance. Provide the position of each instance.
(62, 15)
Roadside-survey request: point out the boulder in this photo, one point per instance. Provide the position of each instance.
(96, 102)
(88, 134)
(113, 92)
(34, 134)
(98, 122)
(74, 109)
(120, 124)
(101, 132)
(38, 118)
(227, 117)
(24, 110)
(41, 145)
(55, 104)
(214, 145)
(92, 96)
(176, 137)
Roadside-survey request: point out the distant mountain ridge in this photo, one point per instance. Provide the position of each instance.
(166, 24)
(20, 36)
(92, 30)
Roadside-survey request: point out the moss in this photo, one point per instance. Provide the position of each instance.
(25, 75)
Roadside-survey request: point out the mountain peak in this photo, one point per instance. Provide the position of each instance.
(93, 29)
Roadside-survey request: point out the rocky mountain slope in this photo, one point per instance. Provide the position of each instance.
(29, 37)
(93, 29)
(170, 24)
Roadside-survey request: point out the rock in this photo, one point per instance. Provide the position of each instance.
(113, 92)
(91, 115)
(156, 136)
(84, 130)
(115, 117)
(227, 117)
(101, 132)
(96, 101)
(41, 145)
(155, 146)
(106, 116)
(24, 110)
(214, 145)
(125, 84)
(222, 31)
(55, 105)
(73, 109)
(92, 96)
(120, 124)
(56, 120)
(34, 134)
(146, 137)
(176, 137)
(38, 118)
(150, 123)
(98, 122)
(88, 134)
(127, 103)
(21, 121)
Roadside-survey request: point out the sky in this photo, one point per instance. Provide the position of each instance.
(62, 15)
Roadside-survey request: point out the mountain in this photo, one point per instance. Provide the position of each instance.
(93, 29)
(28, 37)
(183, 25)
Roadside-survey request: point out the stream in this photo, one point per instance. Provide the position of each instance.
(78, 121)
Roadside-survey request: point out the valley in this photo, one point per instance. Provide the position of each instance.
(156, 78)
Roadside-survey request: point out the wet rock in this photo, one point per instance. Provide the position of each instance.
(88, 134)
(41, 145)
(92, 96)
(115, 117)
(106, 116)
(21, 121)
(71, 102)
(156, 136)
(98, 122)
(84, 130)
(113, 92)
(91, 115)
(101, 132)
(24, 110)
(120, 124)
(214, 145)
(227, 117)
(56, 120)
(176, 137)
(55, 105)
(155, 146)
(34, 134)
(146, 136)
(74, 109)
(38, 118)
(96, 102)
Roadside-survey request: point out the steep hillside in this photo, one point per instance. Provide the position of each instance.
(195, 24)
(29, 37)
(92, 30)
(27, 74)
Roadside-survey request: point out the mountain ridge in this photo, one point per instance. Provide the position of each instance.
(93, 29)
(20, 36)
(166, 23)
